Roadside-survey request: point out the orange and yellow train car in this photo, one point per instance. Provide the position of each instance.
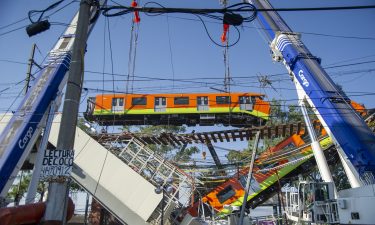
(279, 157)
(236, 109)
(232, 191)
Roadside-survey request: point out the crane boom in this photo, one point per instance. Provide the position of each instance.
(355, 141)
(24, 127)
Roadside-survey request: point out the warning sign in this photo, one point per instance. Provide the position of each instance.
(57, 164)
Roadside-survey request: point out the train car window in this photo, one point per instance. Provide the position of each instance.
(117, 102)
(290, 145)
(222, 100)
(253, 100)
(245, 100)
(202, 100)
(139, 101)
(225, 194)
(181, 100)
(242, 180)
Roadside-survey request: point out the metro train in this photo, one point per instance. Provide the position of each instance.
(236, 109)
(272, 165)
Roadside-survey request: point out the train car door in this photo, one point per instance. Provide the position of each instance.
(246, 103)
(117, 105)
(202, 103)
(160, 104)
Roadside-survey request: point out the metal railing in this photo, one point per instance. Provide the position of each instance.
(157, 170)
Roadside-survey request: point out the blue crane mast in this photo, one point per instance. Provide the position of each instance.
(354, 139)
(20, 134)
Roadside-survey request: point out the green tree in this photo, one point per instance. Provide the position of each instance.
(277, 114)
(18, 190)
(294, 114)
(185, 154)
(245, 154)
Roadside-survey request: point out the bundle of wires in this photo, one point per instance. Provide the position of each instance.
(233, 15)
(210, 13)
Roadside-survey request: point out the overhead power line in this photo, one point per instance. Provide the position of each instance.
(122, 10)
(259, 28)
(24, 19)
(194, 80)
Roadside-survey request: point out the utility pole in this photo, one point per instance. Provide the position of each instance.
(248, 181)
(55, 213)
(29, 67)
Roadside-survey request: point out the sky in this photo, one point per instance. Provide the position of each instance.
(174, 53)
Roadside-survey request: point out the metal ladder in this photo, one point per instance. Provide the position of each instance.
(155, 169)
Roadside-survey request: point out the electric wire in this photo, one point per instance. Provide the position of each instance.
(24, 19)
(170, 52)
(239, 7)
(13, 102)
(235, 77)
(192, 19)
(262, 35)
(112, 64)
(211, 85)
(122, 10)
(104, 58)
(13, 23)
(32, 13)
(11, 31)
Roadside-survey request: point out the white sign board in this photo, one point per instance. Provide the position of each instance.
(57, 164)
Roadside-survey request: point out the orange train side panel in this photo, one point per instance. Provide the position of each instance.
(105, 101)
(359, 108)
(212, 198)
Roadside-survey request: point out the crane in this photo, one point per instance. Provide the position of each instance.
(354, 139)
(25, 126)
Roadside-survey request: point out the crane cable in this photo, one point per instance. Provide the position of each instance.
(132, 49)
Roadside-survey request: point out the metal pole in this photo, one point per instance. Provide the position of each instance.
(214, 155)
(29, 67)
(33, 186)
(86, 207)
(282, 200)
(162, 208)
(57, 191)
(247, 189)
(317, 150)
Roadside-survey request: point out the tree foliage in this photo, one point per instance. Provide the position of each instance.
(278, 115)
(168, 151)
(19, 189)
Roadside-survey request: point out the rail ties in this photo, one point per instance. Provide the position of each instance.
(242, 134)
